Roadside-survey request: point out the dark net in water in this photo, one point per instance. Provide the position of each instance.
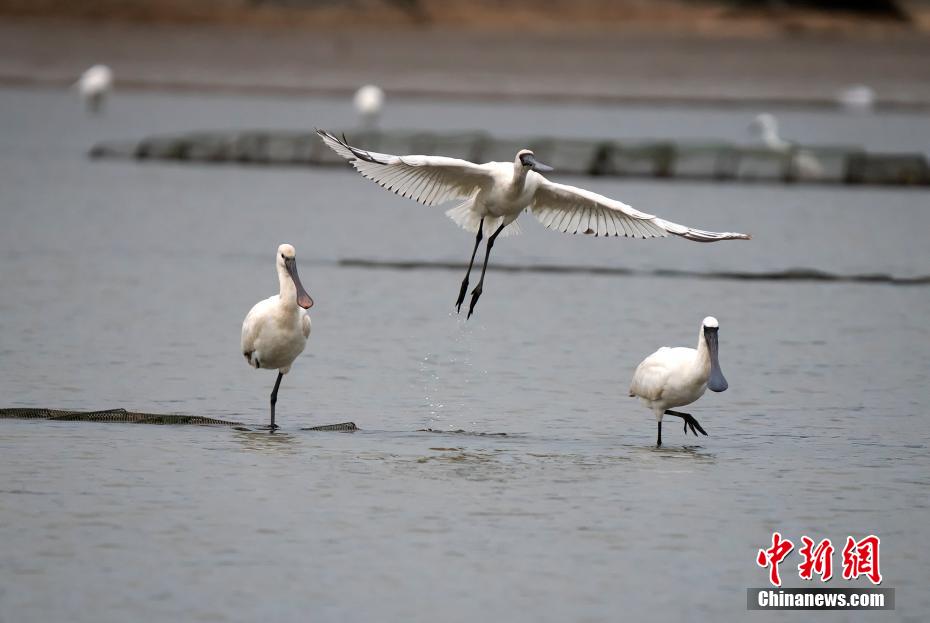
(135, 417)
(110, 415)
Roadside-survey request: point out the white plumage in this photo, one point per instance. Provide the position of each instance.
(368, 102)
(94, 85)
(496, 193)
(805, 165)
(275, 330)
(857, 98)
(500, 191)
(675, 377)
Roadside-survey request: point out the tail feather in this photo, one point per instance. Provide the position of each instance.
(465, 217)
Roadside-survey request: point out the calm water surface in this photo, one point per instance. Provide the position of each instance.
(125, 285)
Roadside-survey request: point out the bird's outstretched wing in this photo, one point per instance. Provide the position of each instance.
(576, 210)
(430, 180)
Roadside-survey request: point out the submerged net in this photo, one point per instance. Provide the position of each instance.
(110, 415)
(135, 417)
(335, 428)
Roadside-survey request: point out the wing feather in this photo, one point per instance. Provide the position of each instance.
(602, 223)
(651, 376)
(614, 228)
(571, 209)
(430, 180)
(609, 227)
(550, 217)
(585, 225)
(561, 220)
(576, 221)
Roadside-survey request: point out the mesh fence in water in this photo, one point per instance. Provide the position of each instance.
(135, 417)
(836, 164)
(111, 415)
(336, 428)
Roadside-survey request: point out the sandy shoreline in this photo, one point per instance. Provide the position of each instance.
(632, 67)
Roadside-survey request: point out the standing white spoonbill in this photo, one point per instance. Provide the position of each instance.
(495, 193)
(368, 102)
(675, 377)
(94, 85)
(275, 330)
(805, 164)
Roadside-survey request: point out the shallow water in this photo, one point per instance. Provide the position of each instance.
(125, 285)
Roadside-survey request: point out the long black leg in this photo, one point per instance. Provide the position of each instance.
(274, 398)
(478, 288)
(659, 440)
(690, 422)
(461, 299)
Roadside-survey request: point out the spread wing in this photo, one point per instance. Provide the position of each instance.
(576, 210)
(430, 180)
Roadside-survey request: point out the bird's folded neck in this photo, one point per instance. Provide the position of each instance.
(703, 352)
(519, 177)
(287, 289)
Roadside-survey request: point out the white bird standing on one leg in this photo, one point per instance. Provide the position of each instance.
(804, 164)
(495, 193)
(94, 85)
(674, 377)
(275, 330)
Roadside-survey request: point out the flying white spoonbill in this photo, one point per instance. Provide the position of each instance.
(765, 128)
(94, 85)
(276, 329)
(368, 102)
(495, 193)
(675, 377)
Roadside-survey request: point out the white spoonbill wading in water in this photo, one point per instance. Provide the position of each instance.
(805, 164)
(275, 330)
(94, 85)
(495, 193)
(675, 377)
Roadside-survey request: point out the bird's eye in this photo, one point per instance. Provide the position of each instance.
(282, 257)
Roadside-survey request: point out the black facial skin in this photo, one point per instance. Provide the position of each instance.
(529, 160)
(716, 382)
(303, 299)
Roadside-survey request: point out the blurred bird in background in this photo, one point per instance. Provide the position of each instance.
(94, 86)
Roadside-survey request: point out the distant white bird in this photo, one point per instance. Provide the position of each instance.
(94, 85)
(804, 164)
(674, 377)
(368, 102)
(857, 98)
(276, 329)
(495, 193)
